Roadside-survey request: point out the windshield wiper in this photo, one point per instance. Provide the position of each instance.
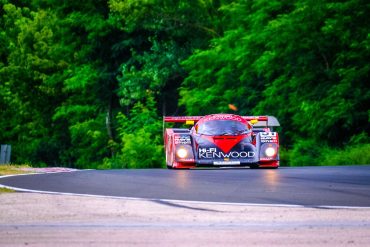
(226, 134)
(241, 132)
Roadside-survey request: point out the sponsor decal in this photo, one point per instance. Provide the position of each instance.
(212, 153)
(267, 158)
(221, 163)
(268, 134)
(182, 140)
(187, 160)
(269, 137)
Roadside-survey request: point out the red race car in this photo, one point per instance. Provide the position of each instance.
(222, 140)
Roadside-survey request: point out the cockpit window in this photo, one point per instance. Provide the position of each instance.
(222, 127)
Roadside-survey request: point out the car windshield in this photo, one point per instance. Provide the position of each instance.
(222, 127)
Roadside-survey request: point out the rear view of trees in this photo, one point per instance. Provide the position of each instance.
(86, 84)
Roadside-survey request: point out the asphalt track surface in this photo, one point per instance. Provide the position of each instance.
(346, 186)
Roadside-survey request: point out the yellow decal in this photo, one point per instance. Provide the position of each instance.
(253, 121)
(189, 122)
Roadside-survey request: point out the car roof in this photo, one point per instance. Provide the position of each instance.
(231, 117)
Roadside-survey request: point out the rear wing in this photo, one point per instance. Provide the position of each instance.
(262, 121)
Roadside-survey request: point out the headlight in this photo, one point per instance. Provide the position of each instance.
(270, 151)
(182, 153)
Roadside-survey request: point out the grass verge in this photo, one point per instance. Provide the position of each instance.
(5, 190)
(12, 169)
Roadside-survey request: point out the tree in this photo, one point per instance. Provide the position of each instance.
(161, 35)
(304, 63)
(86, 82)
(32, 62)
(59, 75)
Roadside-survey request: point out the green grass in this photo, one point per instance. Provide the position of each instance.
(12, 169)
(5, 190)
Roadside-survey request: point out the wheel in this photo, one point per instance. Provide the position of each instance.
(169, 162)
(254, 166)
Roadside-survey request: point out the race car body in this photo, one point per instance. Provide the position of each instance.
(221, 140)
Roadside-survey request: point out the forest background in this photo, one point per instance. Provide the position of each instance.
(85, 84)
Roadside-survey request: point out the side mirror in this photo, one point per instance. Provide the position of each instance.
(196, 129)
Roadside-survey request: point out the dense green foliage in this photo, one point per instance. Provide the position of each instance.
(85, 83)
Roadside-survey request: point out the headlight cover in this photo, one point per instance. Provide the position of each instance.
(182, 153)
(270, 151)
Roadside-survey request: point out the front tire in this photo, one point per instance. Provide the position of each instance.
(254, 166)
(169, 162)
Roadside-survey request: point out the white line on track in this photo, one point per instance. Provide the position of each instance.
(167, 200)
